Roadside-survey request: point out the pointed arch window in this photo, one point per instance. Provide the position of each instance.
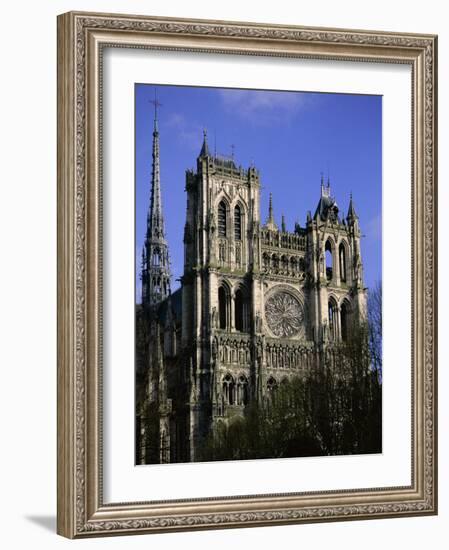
(228, 389)
(223, 307)
(344, 318)
(237, 223)
(241, 310)
(342, 258)
(222, 219)
(332, 313)
(156, 257)
(329, 260)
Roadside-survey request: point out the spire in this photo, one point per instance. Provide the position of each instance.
(156, 270)
(155, 218)
(271, 224)
(325, 189)
(351, 211)
(205, 148)
(283, 229)
(156, 104)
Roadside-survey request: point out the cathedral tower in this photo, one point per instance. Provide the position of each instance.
(337, 295)
(221, 260)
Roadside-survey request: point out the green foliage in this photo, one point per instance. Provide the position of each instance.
(375, 327)
(149, 444)
(333, 410)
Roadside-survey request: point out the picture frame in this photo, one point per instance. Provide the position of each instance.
(82, 40)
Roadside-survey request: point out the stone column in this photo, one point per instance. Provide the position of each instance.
(232, 311)
(338, 323)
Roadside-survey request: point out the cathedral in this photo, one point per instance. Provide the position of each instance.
(257, 303)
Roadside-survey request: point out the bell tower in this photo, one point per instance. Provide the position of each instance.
(220, 286)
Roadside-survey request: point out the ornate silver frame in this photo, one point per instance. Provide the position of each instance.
(81, 37)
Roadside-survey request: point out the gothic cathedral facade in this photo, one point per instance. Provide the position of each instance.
(256, 306)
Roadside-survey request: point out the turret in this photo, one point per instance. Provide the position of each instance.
(352, 217)
(327, 209)
(271, 224)
(205, 147)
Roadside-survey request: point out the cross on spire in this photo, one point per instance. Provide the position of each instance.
(156, 104)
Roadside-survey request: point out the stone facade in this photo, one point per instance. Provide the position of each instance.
(257, 305)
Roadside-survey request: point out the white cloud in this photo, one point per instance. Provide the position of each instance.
(190, 135)
(175, 120)
(262, 107)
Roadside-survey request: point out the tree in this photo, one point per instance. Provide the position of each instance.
(375, 327)
(351, 396)
(333, 409)
(274, 428)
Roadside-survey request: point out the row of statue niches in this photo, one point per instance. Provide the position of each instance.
(283, 264)
(276, 356)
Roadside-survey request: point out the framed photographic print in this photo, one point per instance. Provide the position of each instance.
(246, 274)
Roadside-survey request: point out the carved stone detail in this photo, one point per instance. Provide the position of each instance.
(284, 314)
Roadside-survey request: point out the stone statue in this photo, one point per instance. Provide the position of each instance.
(211, 221)
(214, 318)
(258, 322)
(214, 349)
(324, 333)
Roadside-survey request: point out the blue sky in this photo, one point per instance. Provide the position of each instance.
(292, 137)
